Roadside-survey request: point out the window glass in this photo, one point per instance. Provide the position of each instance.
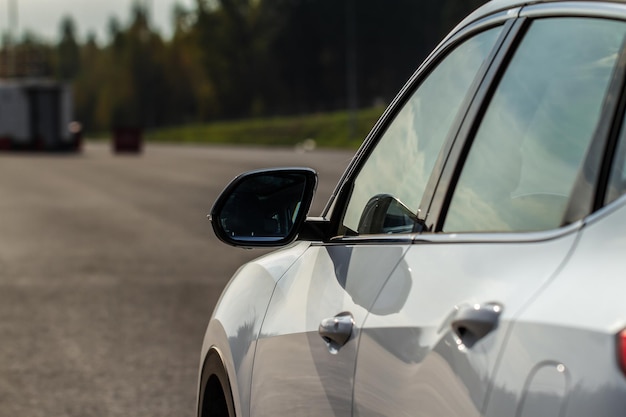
(388, 189)
(525, 157)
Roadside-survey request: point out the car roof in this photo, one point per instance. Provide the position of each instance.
(506, 4)
(495, 6)
(499, 5)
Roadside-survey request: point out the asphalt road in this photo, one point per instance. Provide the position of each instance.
(109, 272)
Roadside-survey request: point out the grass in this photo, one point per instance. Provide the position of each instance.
(329, 130)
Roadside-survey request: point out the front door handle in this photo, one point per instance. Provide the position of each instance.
(336, 331)
(472, 323)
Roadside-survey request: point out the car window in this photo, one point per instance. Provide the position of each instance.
(525, 157)
(388, 189)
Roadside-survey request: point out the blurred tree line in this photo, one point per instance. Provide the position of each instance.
(233, 59)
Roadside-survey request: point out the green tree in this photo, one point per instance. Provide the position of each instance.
(86, 83)
(68, 51)
(191, 95)
(453, 11)
(234, 37)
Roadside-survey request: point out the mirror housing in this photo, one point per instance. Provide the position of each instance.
(384, 213)
(264, 208)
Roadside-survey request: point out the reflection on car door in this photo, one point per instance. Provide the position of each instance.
(296, 372)
(410, 360)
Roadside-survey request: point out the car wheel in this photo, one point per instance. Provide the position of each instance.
(216, 399)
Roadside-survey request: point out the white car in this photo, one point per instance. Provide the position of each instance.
(472, 260)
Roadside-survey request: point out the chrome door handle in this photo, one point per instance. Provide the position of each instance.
(336, 331)
(472, 323)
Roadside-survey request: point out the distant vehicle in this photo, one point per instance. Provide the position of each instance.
(127, 140)
(37, 114)
(471, 261)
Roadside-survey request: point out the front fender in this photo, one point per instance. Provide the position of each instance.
(238, 316)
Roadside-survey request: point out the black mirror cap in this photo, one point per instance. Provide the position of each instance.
(250, 180)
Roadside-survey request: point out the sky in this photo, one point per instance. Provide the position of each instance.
(43, 17)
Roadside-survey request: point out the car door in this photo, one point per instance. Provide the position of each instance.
(306, 351)
(504, 219)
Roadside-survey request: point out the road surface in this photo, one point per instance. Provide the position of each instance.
(109, 272)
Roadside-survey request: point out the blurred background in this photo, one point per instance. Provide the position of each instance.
(161, 64)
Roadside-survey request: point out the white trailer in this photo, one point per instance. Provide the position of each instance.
(37, 115)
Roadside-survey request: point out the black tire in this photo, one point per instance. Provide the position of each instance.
(216, 398)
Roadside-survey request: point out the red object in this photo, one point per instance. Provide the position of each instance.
(127, 139)
(5, 143)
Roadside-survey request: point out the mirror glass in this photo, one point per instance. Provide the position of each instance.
(262, 207)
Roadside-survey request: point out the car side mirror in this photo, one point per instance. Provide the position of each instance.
(264, 208)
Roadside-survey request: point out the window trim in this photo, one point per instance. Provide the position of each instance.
(497, 237)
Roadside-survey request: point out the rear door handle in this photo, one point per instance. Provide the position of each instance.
(472, 323)
(336, 331)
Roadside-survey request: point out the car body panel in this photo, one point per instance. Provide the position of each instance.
(295, 372)
(238, 315)
(410, 360)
